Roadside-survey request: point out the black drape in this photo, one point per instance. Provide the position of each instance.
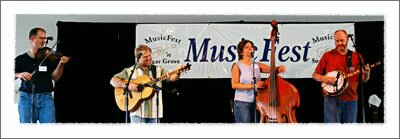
(369, 42)
(98, 51)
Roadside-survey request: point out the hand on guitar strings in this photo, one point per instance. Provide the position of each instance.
(134, 87)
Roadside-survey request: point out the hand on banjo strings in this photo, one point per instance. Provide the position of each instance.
(328, 80)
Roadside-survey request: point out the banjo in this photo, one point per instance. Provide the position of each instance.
(341, 81)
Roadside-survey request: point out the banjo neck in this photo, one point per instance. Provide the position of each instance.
(358, 71)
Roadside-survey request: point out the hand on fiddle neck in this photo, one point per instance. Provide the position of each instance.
(64, 59)
(57, 73)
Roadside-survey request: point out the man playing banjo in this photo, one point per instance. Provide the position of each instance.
(340, 94)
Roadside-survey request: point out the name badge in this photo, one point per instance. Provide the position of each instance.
(42, 68)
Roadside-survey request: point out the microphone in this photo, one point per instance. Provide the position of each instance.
(139, 54)
(352, 39)
(49, 38)
(252, 53)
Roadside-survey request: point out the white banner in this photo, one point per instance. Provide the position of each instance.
(211, 48)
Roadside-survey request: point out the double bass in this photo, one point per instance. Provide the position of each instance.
(277, 103)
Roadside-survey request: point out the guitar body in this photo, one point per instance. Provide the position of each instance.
(137, 97)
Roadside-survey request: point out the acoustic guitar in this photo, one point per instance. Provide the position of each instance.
(136, 98)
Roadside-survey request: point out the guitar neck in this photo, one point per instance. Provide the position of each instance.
(165, 76)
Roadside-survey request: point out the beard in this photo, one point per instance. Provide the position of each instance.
(146, 63)
(341, 48)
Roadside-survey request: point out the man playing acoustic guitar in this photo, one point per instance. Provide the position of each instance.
(340, 107)
(146, 110)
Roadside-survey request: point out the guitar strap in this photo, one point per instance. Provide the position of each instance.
(348, 60)
(153, 70)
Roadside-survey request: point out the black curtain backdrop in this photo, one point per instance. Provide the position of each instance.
(369, 42)
(100, 50)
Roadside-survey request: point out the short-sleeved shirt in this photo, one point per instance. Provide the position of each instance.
(41, 79)
(333, 60)
(148, 108)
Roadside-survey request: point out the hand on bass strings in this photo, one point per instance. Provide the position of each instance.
(281, 69)
(260, 85)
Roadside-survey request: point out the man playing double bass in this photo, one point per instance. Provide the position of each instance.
(341, 108)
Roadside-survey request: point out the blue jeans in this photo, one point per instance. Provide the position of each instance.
(43, 109)
(137, 119)
(244, 112)
(336, 110)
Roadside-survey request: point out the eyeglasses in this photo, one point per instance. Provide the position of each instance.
(42, 38)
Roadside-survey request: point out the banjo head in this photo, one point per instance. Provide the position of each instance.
(341, 84)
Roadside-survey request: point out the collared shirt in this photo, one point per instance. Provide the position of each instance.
(148, 108)
(333, 60)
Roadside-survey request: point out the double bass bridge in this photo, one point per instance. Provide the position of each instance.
(283, 119)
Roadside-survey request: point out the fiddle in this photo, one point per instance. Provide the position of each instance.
(47, 52)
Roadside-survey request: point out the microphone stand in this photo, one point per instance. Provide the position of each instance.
(254, 89)
(157, 90)
(361, 65)
(31, 82)
(32, 87)
(128, 93)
